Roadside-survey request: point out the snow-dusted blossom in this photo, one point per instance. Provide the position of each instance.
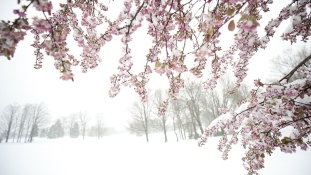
(41, 25)
(171, 27)
(260, 120)
(43, 5)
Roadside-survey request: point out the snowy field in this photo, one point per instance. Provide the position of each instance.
(125, 154)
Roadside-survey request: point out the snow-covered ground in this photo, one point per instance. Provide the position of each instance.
(125, 154)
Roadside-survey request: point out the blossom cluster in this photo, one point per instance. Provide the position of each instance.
(173, 26)
(261, 119)
(170, 27)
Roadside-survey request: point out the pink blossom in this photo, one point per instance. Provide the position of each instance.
(171, 27)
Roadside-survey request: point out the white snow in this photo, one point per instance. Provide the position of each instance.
(128, 154)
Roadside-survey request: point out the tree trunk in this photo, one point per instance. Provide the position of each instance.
(184, 130)
(200, 125)
(193, 119)
(26, 135)
(20, 133)
(28, 127)
(164, 128)
(194, 129)
(83, 132)
(189, 129)
(146, 134)
(70, 130)
(146, 124)
(8, 132)
(165, 136)
(14, 133)
(197, 113)
(175, 130)
(98, 131)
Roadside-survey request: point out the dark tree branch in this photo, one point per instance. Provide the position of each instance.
(291, 73)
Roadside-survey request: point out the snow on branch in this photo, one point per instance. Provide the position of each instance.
(261, 119)
(172, 25)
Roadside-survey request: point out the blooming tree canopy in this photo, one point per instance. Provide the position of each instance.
(173, 25)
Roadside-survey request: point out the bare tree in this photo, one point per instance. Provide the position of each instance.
(213, 100)
(160, 122)
(7, 119)
(203, 106)
(39, 119)
(192, 95)
(22, 123)
(65, 124)
(100, 125)
(188, 123)
(177, 107)
(141, 112)
(85, 118)
(17, 118)
(72, 118)
(28, 122)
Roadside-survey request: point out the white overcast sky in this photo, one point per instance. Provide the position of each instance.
(20, 83)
